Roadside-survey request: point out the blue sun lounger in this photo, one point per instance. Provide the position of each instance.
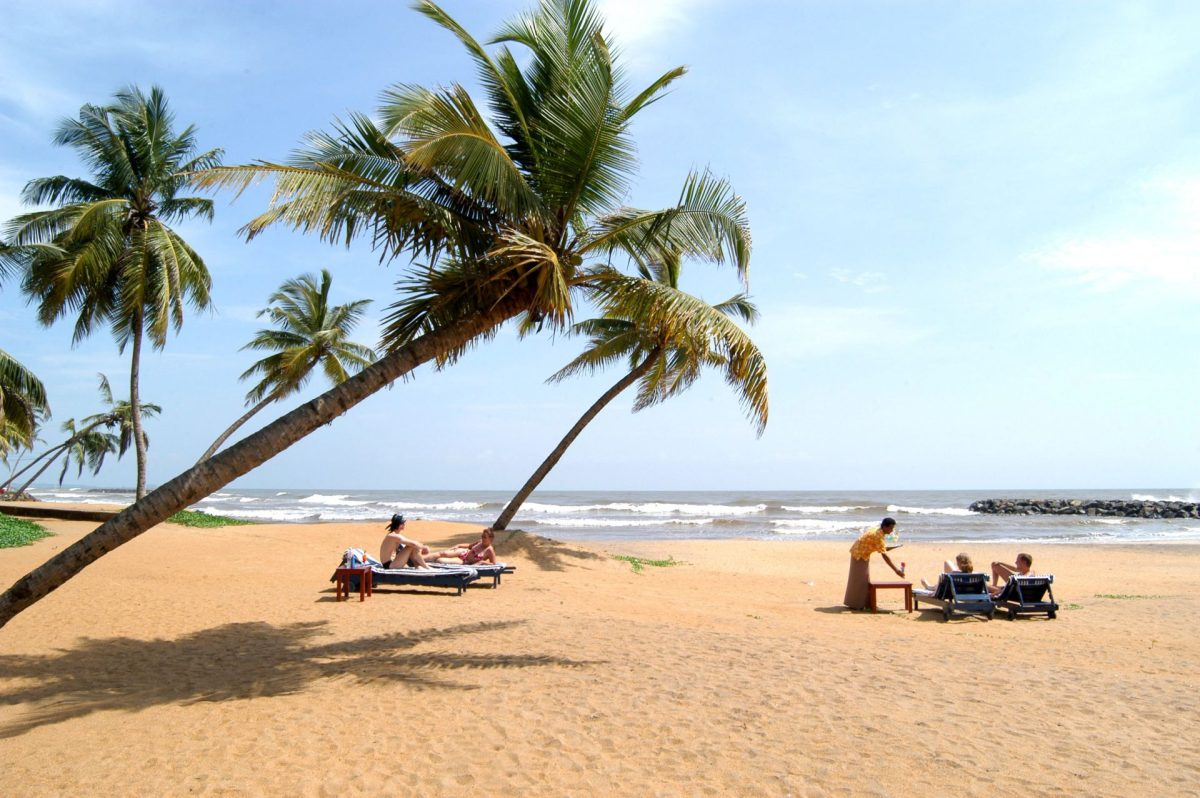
(456, 576)
(486, 570)
(1028, 595)
(958, 592)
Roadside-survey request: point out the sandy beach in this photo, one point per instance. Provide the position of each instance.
(216, 662)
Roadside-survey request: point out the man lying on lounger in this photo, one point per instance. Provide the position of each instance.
(397, 551)
(1002, 570)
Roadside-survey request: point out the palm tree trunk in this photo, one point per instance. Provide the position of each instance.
(56, 451)
(64, 448)
(224, 436)
(135, 407)
(13, 477)
(244, 456)
(556, 455)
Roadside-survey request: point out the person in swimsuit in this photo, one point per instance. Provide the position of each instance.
(481, 550)
(1002, 570)
(962, 564)
(397, 551)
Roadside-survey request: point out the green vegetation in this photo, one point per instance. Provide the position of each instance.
(1072, 606)
(19, 532)
(310, 333)
(638, 563)
(205, 520)
(1127, 596)
(664, 354)
(508, 210)
(105, 254)
(22, 401)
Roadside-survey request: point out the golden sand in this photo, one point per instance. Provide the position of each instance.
(216, 662)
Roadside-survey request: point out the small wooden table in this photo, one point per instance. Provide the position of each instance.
(366, 582)
(905, 586)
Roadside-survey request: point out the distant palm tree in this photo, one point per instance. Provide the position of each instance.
(665, 357)
(106, 254)
(22, 404)
(85, 442)
(310, 333)
(512, 217)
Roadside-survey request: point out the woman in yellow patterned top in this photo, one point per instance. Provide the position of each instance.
(858, 585)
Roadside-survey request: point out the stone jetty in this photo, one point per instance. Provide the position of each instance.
(1124, 508)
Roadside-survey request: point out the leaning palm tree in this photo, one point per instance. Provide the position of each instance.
(309, 333)
(510, 218)
(22, 404)
(106, 253)
(664, 359)
(84, 439)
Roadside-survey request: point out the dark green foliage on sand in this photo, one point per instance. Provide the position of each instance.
(19, 532)
(205, 520)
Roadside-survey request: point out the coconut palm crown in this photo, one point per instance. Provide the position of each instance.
(308, 332)
(23, 404)
(511, 211)
(106, 254)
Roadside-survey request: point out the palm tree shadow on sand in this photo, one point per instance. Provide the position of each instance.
(234, 662)
(543, 553)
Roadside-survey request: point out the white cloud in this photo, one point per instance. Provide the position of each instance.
(1152, 243)
(869, 282)
(640, 26)
(812, 331)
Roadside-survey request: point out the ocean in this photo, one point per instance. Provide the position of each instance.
(927, 515)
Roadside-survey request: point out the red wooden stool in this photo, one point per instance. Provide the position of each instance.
(366, 582)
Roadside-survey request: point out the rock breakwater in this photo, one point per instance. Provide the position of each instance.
(1123, 508)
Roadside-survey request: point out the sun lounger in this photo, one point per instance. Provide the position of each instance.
(456, 576)
(485, 570)
(1028, 595)
(957, 592)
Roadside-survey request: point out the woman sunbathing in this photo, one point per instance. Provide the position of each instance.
(470, 553)
(962, 564)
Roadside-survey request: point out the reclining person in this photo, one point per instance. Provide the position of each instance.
(1001, 570)
(397, 551)
(962, 564)
(481, 550)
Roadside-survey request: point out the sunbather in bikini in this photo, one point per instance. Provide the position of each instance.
(470, 553)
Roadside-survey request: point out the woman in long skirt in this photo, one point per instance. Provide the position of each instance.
(858, 584)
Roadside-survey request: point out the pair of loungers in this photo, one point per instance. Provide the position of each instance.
(968, 594)
(437, 575)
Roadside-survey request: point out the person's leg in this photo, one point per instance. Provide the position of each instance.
(948, 567)
(404, 555)
(416, 559)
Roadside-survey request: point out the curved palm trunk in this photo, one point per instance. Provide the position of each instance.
(15, 474)
(224, 436)
(556, 455)
(56, 452)
(135, 407)
(244, 456)
(66, 447)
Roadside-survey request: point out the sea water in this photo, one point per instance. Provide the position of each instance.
(928, 515)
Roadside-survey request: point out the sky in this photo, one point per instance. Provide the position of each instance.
(976, 241)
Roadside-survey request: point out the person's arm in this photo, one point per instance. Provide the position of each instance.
(891, 565)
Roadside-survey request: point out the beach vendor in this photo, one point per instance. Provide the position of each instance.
(481, 550)
(397, 551)
(858, 584)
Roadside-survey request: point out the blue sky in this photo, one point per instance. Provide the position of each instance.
(976, 240)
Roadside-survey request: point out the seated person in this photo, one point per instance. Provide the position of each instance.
(962, 564)
(1001, 570)
(397, 551)
(470, 553)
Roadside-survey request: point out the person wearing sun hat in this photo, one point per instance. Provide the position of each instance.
(397, 551)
